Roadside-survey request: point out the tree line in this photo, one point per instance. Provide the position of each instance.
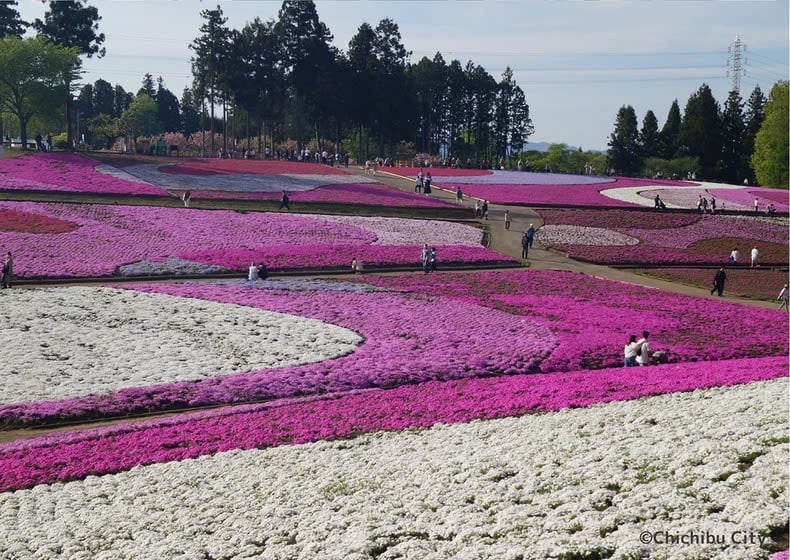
(281, 80)
(741, 141)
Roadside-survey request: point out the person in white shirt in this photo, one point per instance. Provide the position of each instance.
(735, 255)
(755, 254)
(252, 273)
(643, 357)
(630, 351)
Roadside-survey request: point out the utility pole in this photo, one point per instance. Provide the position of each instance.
(736, 63)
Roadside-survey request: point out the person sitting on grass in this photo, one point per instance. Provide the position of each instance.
(630, 351)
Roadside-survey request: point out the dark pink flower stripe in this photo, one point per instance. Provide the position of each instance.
(104, 451)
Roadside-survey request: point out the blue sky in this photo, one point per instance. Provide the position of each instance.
(577, 62)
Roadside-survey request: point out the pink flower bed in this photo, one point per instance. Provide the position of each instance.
(666, 238)
(318, 256)
(112, 236)
(73, 456)
(407, 340)
(744, 198)
(373, 194)
(60, 171)
(547, 193)
(592, 317)
(14, 220)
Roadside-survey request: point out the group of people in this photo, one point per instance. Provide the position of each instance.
(422, 183)
(257, 272)
(481, 209)
(428, 257)
(703, 205)
(755, 255)
(527, 240)
(42, 146)
(637, 352)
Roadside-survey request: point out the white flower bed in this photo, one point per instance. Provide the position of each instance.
(583, 235)
(500, 177)
(119, 173)
(69, 342)
(533, 487)
(403, 231)
(237, 182)
(686, 197)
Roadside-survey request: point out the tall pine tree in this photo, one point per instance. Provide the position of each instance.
(624, 148)
(733, 157)
(10, 22)
(670, 133)
(700, 130)
(72, 24)
(649, 136)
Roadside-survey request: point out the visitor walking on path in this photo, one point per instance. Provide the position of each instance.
(755, 256)
(783, 296)
(507, 219)
(718, 282)
(459, 196)
(524, 246)
(426, 258)
(484, 209)
(284, 202)
(185, 198)
(8, 270)
(735, 255)
(530, 235)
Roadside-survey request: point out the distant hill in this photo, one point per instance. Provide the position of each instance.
(542, 146)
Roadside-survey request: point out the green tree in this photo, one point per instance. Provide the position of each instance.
(105, 129)
(72, 24)
(103, 98)
(305, 43)
(140, 119)
(190, 117)
(33, 73)
(121, 100)
(670, 133)
(209, 48)
(263, 88)
(147, 86)
(753, 119)
(169, 111)
(10, 22)
(733, 158)
(771, 153)
(624, 146)
(649, 137)
(700, 130)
